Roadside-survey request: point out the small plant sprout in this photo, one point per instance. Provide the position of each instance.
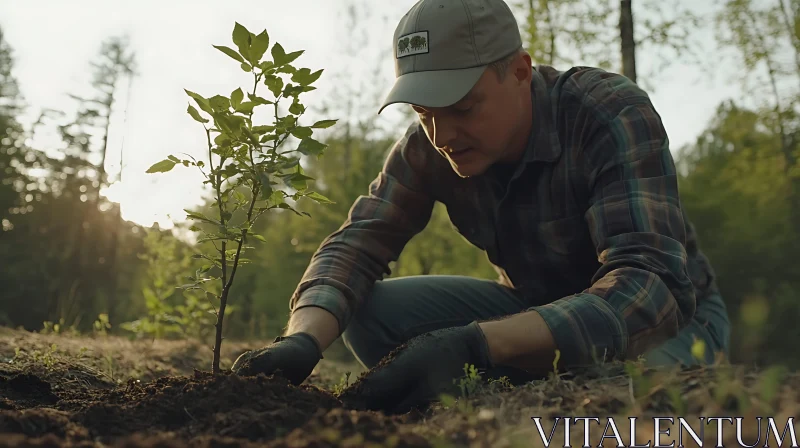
(247, 163)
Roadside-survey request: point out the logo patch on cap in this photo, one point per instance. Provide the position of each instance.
(411, 44)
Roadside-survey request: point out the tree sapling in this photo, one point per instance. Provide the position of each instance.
(243, 155)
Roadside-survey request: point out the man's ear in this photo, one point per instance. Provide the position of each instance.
(523, 70)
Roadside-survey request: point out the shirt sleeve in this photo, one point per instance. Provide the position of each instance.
(642, 294)
(398, 206)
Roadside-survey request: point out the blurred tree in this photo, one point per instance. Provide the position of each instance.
(735, 188)
(564, 33)
(56, 248)
(627, 41)
(15, 158)
(766, 39)
(87, 139)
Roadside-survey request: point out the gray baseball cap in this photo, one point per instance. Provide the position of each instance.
(442, 47)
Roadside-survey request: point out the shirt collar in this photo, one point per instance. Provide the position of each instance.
(543, 144)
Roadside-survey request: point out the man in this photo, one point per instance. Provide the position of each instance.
(565, 179)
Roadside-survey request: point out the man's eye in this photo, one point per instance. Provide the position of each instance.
(464, 110)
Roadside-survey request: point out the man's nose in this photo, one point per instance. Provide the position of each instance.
(444, 131)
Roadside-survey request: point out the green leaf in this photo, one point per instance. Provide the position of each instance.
(222, 140)
(266, 66)
(276, 198)
(246, 107)
(308, 146)
(266, 187)
(161, 167)
(224, 123)
(274, 84)
(258, 237)
(250, 136)
(259, 100)
(263, 129)
(230, 52)
(280, 57)
(196, 115)
(246, 67)
(297, 181)
(236, 121)
(199, 216)
(322, 124)
(203, 103)
(278, 54)
(236, 97)
(302, 132)
(304, 76)
(174, 159)
(288, 164)
(319, 198)
(219, 103)
(241, 37)
(285, 123)
(286, 206)
(297, 108)
(286, 69)
(258, 47)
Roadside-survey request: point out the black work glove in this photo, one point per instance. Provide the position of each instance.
(416, 374)
(292, 357)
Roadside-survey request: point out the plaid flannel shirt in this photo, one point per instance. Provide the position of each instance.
(589, 229)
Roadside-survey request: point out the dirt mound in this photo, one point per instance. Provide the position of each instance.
(198, 410)
(24, 391)
(253, 408)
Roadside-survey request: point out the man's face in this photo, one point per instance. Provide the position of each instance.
(490, 124)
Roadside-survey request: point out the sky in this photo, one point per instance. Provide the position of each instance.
(53, 42)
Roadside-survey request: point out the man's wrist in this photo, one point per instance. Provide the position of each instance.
(523, 340)
(317, 322)
(481, 353)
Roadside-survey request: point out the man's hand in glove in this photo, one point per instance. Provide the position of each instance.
(292, 357)
(422, 370)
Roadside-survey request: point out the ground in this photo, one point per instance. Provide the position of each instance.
(60, 390)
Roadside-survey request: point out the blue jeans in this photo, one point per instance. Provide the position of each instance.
(401, 308)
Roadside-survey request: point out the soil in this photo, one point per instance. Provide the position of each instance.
(201, 410)
(59, 390)
(72, 391)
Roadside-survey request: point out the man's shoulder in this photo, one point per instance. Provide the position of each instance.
(414, 150)
(413, 144)
(584, 89)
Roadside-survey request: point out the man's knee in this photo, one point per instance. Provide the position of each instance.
(368, 335)
(359, 341)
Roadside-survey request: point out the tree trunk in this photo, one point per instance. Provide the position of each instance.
(628, 45)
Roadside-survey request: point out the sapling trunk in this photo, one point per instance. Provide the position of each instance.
(248, 156)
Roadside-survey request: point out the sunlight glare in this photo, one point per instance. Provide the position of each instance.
(142, 204)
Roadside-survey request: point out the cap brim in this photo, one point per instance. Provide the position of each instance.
(439, 88)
